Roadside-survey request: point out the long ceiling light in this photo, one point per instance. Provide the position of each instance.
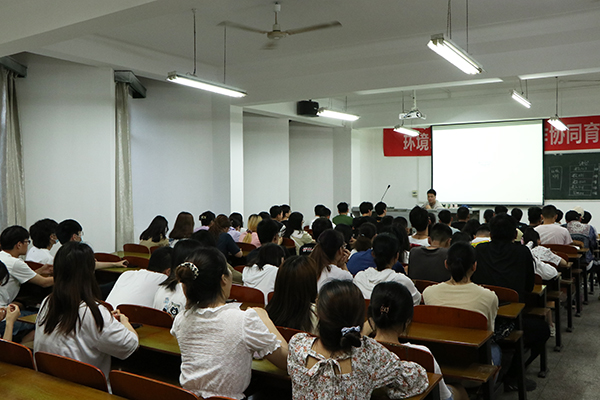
(521, 99)
(454, 54)
(192, 81)
(406, 131)
(555, 121)
(324, 112)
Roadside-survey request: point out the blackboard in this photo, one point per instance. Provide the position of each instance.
(572, 176)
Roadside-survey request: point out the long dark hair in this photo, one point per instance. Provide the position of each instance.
(3, 274)
(157, 230)
(270, 254)
(460, 259)
(366, 232)
(294, 223)
(181, 251)
(391, 306)
(385, 249)
(295, 292)
(74, 282)
(220, 224)
(184, 226)
(204, 289)
(329, 242)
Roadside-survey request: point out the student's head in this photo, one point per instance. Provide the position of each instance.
(534, 215)
(549, 213)
(503, 228)
(253, 221)
(441, 235)
(342, 207)
(419, 218)
(431, 196)
(276, 212)
(220, 224)
(346, 231)
(572, 215)
(206, 218)
(157, 230)
(161, 260)
(203, 236)
(295, 291)
(184, 226)
(236, 220)
(366, 208)
(488, 215)
(386, 248)
(587, 217)
(517, 214)
(340, 305)
(366, 233)
(318, 208)
(295, 221)
(483, 231)
(43, 233)
(286, 209)
(399, 233)
(432, 218)
(462, 213)
(320, 225)
(460, 260)
(205, 278)
(461, 237)
(401, 223)
(270, 254)
(380, 208)
(388, 220)
(329, 248)
(181, 251)
(68, 230)
(471, 227)
(531, 235)
(268, 231)
(15, 238)
(391, 307)
(500, 210)
(559, 215)
(324, 212)
(264, 215)
(445, 217)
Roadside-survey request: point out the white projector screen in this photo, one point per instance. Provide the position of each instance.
(488, 164)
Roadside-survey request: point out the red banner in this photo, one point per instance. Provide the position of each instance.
(583, 134)
(399, 145)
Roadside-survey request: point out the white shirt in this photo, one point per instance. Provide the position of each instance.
(86, 343)
(335, 273)
(263, 280)
(217, 346)
(170, 301)
(18, 273)
(420, 242)
(42, 256)
(136, 287)
(369, 278)
(540, 255)
(553, 234)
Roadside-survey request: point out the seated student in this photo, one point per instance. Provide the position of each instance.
(462, 216)
(287, 210)
(488, 215)
(399, 232)
(366, 215)
(360, 256)
(330, 257)
(534, 216)
(482, 235)
(427, 262)
(342, 363)
(517, 214)
(419, 219)
(295, 293)
(380, 210)
(73, 323)
(276, 213)
(432, 203)
(183, 228)
(268, 232)
(139, 287)
(43, 235)
(262, 275)
(500, 209)
(583, 233)
(471, 227)
(461, 237)
(236, 224)
(559, 217)
(318, 212)
(251, 236)
(550, 233)
(445, 217)
(343, 217)
(319, 226)
(206, 220)
(386, 251)
(225, 242)
(542, 255)
(155, 234)
(390, 312)
(295, 231)
(346, 231)
(217, 339)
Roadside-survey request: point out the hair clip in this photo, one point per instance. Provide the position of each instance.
(347, 330)
(191, 266)
(384, 310)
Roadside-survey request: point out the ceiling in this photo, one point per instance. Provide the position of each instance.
(379, 52)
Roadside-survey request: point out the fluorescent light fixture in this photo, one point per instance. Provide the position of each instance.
(454, 54)
(406, 131)
(521, 99)
(557, 123)
(323, 112)
(192, 81)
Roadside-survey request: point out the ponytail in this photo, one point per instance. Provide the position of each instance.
(460, 259)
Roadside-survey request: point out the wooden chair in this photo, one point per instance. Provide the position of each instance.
(289, 244)
(33, 265)
(153, 249)
(407, 353)
(504, 294)
(16, 354)
(239, 268)
(245, 247)
(136, 387)
(71, 370)
(422, 284)
(138, 262)
(287, 333)
(449, 316)
(245, 294)
(135, 248)
(270, 296)
(146, 315)
(106, 257)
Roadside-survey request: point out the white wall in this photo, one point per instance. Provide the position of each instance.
(68, 123)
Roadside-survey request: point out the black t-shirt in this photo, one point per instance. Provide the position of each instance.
(428, 264)
(459, 225)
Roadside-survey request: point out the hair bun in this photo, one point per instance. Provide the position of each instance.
(352, 339)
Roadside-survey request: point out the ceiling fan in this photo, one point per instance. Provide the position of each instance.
(277, 33)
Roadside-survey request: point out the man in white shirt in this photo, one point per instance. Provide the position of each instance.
(551, 233)
(432, 203)
(43, 235)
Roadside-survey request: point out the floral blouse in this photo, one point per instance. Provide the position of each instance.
(373, 366)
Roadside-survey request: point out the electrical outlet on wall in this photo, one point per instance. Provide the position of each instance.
(414, 193)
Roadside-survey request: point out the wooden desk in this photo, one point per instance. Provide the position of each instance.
(511, 311)
(17, 383)
(434, 380)
(123, 254)
(28, 319)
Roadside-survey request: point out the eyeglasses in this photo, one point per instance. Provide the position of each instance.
(27, 241)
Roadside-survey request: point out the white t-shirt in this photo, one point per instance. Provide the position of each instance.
(217, 346)
(445, 392)
(369, 278)
(540, 255)
(419, 242)
(553, 234)
(263, 280)
(335, 273)
(19, 273)
(42, 256)
(136, 287)
(170, 301)
(86, 343)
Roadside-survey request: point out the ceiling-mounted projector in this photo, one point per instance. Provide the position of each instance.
(412, 114)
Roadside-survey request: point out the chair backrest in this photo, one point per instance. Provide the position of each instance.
(71, 370)
(562, 255)
(106, 257)
(407, 353)
(245, 294)
(288, 242)
(245, 246)
(239, 268)
(504, 294)
(422, 284)
(139, 262)
(449, 316)
(154, 248)
(135, 248)
(287, 333)
(136, 387)
(538, 280)
(146, 315)
(564, 248)
(33, 265)
(16, 354)
(270, 296)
